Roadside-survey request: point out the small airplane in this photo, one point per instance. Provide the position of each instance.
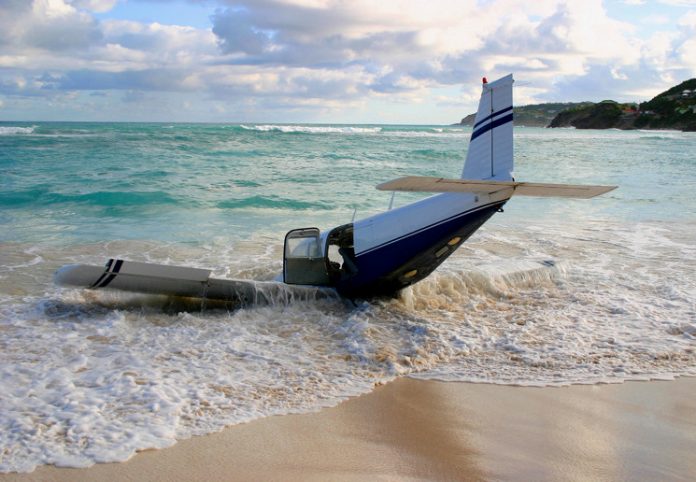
(378, 255)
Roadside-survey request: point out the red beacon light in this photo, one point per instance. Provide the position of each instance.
(484, 80)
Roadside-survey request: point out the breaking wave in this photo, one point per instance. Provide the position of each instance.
(312, 129)
(162, 368)
(10, 130)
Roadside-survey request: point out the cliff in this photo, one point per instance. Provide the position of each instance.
(673, 109)
(605, 115)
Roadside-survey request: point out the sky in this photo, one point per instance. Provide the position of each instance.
(330, 61)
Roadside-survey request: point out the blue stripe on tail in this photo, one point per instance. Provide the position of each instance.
(492, 125)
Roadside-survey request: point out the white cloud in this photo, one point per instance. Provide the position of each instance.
(49, 25)
(688, 20)
(657, 50)
(323, 54)
(687, 54)
(98, 6)
(680, 3)
(433, 42)
(618, 75)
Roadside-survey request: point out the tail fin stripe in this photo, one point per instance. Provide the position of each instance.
(502, 111)
(492, 125)
(490, 152)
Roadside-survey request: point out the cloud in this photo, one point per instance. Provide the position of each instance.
(688, 21)
(680, 3)
(331, 54)
(237, 35)
(49, 25)
(413, 45)
(161, 45)
(150, 79)
(133, 97)
(98, 6)
(686, 54)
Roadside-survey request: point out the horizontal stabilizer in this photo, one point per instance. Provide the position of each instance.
(438, 184)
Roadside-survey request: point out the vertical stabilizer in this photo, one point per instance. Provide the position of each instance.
(490, 153)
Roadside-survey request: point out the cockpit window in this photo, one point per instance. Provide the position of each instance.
(304, 263)
(299, 246)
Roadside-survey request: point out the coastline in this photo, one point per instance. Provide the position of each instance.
(413, 429)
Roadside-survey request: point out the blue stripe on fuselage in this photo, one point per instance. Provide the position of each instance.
(426, 228)
(377, 267)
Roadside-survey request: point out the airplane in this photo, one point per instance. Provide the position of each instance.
(378, 255)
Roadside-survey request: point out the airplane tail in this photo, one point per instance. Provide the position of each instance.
(490, 154)
(489, 161)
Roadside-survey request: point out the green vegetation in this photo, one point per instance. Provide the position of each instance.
(605, 115)
(672, 109)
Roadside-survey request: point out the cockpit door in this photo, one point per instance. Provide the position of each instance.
(303, 259)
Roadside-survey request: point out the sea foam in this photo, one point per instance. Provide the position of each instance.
(12, 130)
(312, 129)
(131, 372)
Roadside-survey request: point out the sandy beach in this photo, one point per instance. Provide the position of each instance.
(423, 430)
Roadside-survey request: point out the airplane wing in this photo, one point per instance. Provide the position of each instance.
(438, 184)
(180, 281)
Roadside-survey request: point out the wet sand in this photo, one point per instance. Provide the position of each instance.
(424, 430)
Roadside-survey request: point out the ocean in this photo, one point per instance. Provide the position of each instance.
(550, 292)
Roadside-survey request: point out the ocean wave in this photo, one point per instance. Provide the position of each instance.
(416, 133)
(665, 134)
(312, 129)
(13, 130)
(508, 308)
(43, 197)
(271, 202)
(394, 131)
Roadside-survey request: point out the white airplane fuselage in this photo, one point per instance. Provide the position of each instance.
(383, 253)
(397, 248)
(378, 255)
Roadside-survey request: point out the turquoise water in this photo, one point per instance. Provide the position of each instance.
(70, 182)
(186, 183)
(550, 292)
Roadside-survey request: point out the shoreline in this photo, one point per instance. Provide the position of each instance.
(416, 429)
